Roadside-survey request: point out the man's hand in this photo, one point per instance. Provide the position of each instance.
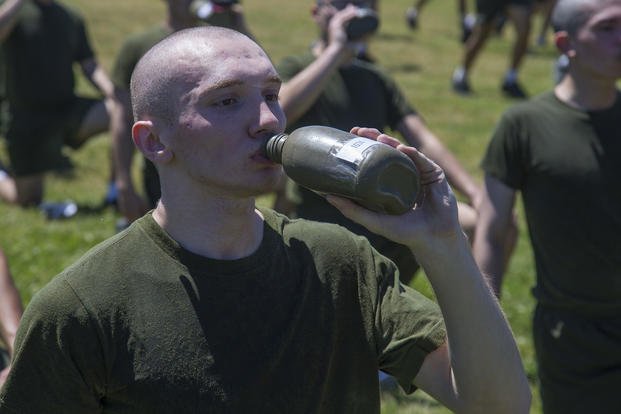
(337, 35)
(434, 218)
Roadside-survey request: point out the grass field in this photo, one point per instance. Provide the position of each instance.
(422, 63)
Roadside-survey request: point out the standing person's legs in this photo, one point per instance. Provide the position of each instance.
(473, 45)
(545, 8)
(519, 13)
(411, 14)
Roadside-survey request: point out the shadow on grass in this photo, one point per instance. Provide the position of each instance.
(404, 68)
(395, 37)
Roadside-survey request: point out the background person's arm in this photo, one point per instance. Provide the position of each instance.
(8, 17)
(495, 222)
(98, 77)
(10, 309)
(299, 93)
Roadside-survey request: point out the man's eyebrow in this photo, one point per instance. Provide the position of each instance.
(223, 84)
(227, 83)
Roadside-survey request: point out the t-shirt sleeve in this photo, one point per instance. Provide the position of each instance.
(83, 50)
(289, 67)
(506, 153)
(58, 365)
(396, 102)
(124, 64)
(408, 326)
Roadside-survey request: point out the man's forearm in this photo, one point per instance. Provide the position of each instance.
(299, 93)
(10, 305)
(8, 16)
(98, 78)
(484, 358)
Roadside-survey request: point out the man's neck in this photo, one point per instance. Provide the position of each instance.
(214, 228)
(586, 94)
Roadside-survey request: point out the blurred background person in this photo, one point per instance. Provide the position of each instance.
(330, 86)
(562, 152)
(40, 41)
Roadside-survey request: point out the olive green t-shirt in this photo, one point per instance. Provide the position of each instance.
(567, 165)
(39, 55)
(141, 325)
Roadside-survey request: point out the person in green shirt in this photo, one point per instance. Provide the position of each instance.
(41, 40)
(330, 86)
(210, 304)
(562, 152)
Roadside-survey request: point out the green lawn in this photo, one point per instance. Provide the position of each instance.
(421, 62)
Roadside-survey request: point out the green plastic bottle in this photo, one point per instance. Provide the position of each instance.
(330, 161)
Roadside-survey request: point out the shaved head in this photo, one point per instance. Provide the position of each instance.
(570, 15)
(157, 81)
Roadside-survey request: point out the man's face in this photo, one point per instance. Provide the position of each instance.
(228, 108)
(597, 44)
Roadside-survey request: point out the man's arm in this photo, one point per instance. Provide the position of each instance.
(480, 369)
(299, 93)
(8, 17)
(131, 204)
(10, 309)
(416, 134)
(495, 222)
(98, 77)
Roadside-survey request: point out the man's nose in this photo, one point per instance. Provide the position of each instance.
(270, 118)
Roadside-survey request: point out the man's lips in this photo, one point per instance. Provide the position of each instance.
(260, 157)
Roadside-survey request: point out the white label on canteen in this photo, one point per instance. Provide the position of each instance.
(352, 150)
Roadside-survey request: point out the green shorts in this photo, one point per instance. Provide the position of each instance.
(489, 9)
(36, 136)
(579, 362)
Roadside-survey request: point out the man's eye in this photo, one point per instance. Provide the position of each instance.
(225, 102)
(607, 27)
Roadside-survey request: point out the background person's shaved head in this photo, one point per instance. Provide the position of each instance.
(570, 15)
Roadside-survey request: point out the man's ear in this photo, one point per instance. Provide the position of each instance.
(148, 142)
(563, 43)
